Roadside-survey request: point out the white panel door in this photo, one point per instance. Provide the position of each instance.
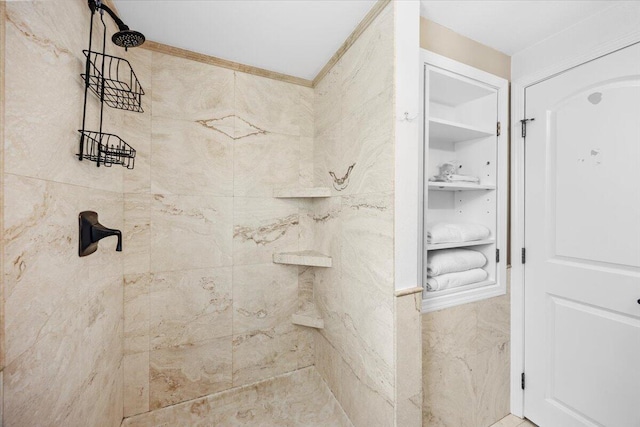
(582, 234)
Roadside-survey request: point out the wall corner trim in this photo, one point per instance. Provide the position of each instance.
(223, 63)
(355, 34)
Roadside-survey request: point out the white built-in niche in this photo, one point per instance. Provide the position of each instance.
(465, 125)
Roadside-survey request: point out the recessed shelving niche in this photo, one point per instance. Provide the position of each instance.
(463, 108)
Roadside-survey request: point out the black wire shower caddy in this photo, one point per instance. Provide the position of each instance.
(114, 82)
(120, 86)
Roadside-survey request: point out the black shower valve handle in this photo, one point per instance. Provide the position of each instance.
(99, 232)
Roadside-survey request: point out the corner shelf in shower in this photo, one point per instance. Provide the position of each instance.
(466, 118)
(458, 186)
(309, 317)
(294, 193)
(436, 246)
(122, 89)
(306, 258)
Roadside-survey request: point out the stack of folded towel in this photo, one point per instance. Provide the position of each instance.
(450, 268)
(445, 232)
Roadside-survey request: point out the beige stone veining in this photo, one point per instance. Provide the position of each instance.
(185, 372)
(189, 307)
(232, 126)
(202, 155)
(190, 232)
(466, 364)
(263, 227)
(296, 399)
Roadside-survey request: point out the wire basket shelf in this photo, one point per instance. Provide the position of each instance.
(122, 89)
(106, 149)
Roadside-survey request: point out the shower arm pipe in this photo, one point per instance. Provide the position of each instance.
(121, 25)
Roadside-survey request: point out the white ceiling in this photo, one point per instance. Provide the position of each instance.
(298, 37)
(510, 26)
(295, 37)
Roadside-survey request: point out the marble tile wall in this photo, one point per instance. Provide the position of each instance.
(64, 314)
(2, 126)
(408, 361)
(205, 307)
(353, 155)
(465, 354)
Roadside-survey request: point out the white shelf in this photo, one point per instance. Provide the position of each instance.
(458, 186)
(488, 282)
(310, 318)
(291, 193)
(308, 258)
(448, 131)
(452, 89)
(436, 246)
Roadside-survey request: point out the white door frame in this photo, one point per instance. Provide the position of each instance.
(518, 198)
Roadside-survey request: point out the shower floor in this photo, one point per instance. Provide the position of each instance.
(300, 398)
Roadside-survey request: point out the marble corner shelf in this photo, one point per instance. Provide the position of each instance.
(304, 193)
(308, 258)
(310, 318)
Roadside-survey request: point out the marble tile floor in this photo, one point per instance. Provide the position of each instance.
(513, 421)
(297, 399)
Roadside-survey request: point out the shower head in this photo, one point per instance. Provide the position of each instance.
(125, 37)
(128, 38)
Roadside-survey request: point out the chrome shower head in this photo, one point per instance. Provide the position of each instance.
(127, 38)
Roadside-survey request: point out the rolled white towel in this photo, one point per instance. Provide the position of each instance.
(445, 232)
(454, 280)
(453, 260)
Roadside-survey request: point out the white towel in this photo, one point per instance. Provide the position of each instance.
(453, 260)
(444, 232)
(454, 280)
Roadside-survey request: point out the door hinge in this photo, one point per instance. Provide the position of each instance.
(497, 255)
(524, 255)
(523, 123)
(498, 128)
(522, 381)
